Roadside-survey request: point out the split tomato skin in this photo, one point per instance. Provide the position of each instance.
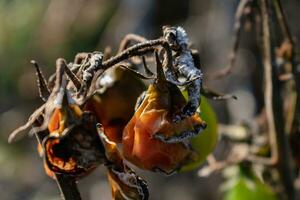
(113, 102)
(153, 118)
(73, 146)
(56, 126)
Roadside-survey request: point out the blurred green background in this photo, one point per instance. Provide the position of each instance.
(45, 30)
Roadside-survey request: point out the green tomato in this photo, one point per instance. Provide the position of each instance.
(205, 142)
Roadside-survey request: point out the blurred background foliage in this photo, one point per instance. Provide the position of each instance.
(45, 30)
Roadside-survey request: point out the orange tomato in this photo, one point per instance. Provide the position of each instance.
(114, 99)
(153, 119)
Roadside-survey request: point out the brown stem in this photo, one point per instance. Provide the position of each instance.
(73, 78)
(130, 38)
(41, 81)
(288, 36)
(67, 187)
(273, 104)
(139, 49)
(236, 41)
(267, 63)
(283, 21)
(130, 52)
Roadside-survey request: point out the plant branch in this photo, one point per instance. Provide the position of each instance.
(67, 187)
(283, 21)
(268, 81)
(236, 42)
(274, 111)
(130, 52)
(288, 36)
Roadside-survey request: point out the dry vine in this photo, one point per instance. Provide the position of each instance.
(274, 83)
(75, 135)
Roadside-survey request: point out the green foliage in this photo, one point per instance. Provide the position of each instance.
(18, 20)
(247, 186)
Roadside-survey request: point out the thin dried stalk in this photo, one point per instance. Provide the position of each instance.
(273, 105)
(288, 36)
(283, 21)
(67, 187)
(132, 51)
(236, 42)
(41, 81)
(268, 95)
(130, 38)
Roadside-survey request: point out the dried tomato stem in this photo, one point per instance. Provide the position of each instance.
(41, 81)
(67, 187)
(236, 42)
(273, 101)
(130, 38)
(132, 51)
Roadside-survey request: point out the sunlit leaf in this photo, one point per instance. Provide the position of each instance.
(247, 186)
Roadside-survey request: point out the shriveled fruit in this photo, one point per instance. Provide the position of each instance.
(152, 140)
(113, 101)
(73, 146)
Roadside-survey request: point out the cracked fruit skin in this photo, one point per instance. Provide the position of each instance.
(205, 142)
(153, 117)
(72, 146)
(56, 126)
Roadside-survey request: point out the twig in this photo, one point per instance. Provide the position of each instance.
(67, 187)
(41, 81)
(236, 41)
(214, 166)
(273, 104)
(74, 79)
(130, 38)
(139, 49)
(268, 95)
(237, 155)
(132, 51)
(282, 21)
(288, 36)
